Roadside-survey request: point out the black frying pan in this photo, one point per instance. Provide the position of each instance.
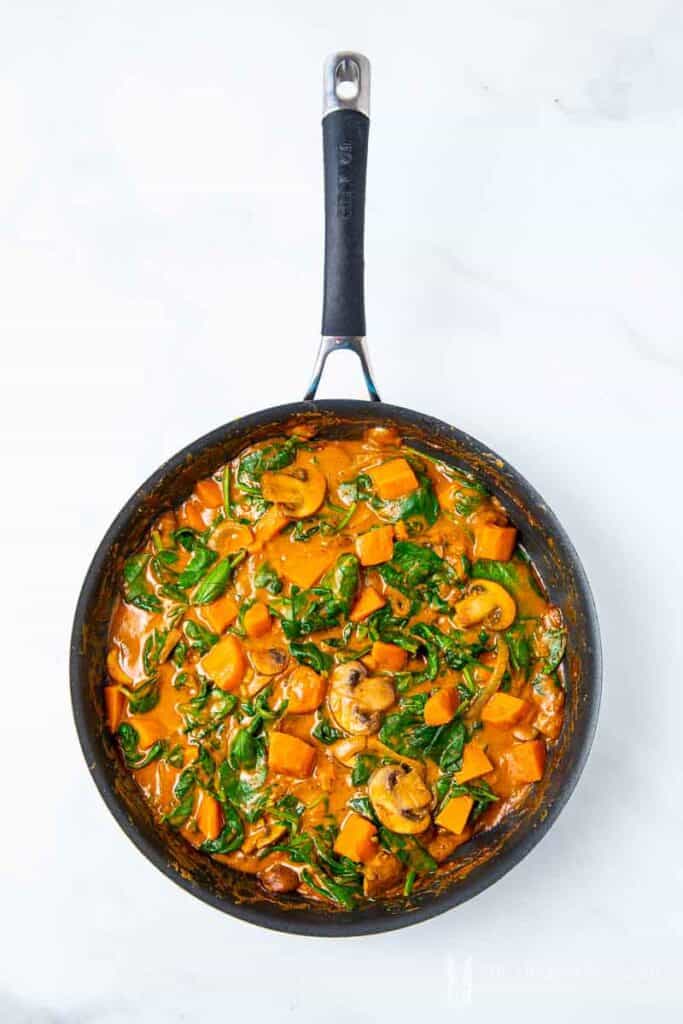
(487, 856)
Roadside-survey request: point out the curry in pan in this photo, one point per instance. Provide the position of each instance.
(332, 664)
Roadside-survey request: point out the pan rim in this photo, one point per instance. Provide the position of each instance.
(338, 925)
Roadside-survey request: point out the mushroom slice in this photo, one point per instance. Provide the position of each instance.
(300, 490)
(401, 799)
(485, 602)
(356, 700)
(268, 661)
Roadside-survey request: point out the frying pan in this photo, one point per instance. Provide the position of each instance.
(489, 855)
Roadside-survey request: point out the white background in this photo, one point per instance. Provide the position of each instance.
(160, 273)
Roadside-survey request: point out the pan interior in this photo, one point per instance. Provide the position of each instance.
(487, 856)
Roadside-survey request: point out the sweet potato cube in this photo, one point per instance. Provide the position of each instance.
(503, 709)
(220, 614)
(393, 479)
(526, 761)
(474, 763)
(357, 839)
(209, 493)
(257, 620)
(304, 690)
(496, 542)
(113, 706)
(191, 512)
(441, 706)
(455, 814)
(289, 755)
(209, 816)
(376, 546)
(389, 656)
(368, 602)
(225, 663)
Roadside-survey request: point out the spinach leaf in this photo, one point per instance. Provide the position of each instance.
(361, 805)
(216, 580)
(129, 739)
(143, 698)
(202, 558)
(154, 644)
(406, 732)
(268, 579)
(408, 851)
(324, 730)
(479, 790)
(519, 646)
(184, 794)
(309, 654)
(187, 538)
(243, 750)
(200, 637)
(332, 890)
(232, 836)
(343, 581)
(420, 504)
(363, 767)
(271, 457)
(287, 811)
(307, 611)
(135, 588)
(504, 573)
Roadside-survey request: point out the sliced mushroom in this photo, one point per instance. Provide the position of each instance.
(229, 537)
(268, 661)
(300, 490)
(487, 603)
(401, 799)
(381, 873)
(356, 700)
(264, 835)
(278, 878)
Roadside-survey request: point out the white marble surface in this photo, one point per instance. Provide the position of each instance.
(160, 272)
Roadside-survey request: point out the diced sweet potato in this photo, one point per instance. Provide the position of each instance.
(368, 602)
(389, 656)
(220, 614)
(441, 706)
(526, 761)
(209, 816)
(114, 668)
(114, 701)
(474, 763)
(209, 493)
(257, 620)
(304, 690)
(455, 814)
(289, 755)
(496, 542)
(393, 479)
(357, 839)
(191, 512)
(376, 546)
(503, 709)
(225, 663)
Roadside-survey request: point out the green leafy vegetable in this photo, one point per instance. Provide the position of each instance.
(324, 731)
(135, 588)
(309, 654)
(202, 558)
(216, 580)
(504, 573)
(129, 739)
(268, 579)
(232, 835)
(363, 767)
(199, 636)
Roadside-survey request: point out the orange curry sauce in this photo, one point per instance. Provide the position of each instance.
(332, 664)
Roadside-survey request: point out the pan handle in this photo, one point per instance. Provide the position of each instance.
(346, 121)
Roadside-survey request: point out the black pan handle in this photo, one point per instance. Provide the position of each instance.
(346, 122)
